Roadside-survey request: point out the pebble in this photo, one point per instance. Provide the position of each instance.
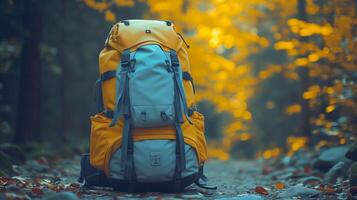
(330, 157)
(298, 191)
(338, 170)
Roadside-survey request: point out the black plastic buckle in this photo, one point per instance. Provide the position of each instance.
(108, 113)
(125, 64)
(175, 63)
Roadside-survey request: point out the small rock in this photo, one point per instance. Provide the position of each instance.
(330, 157)
(243, 197)
(338, 170)
(353, 174)
(61, 196)
(310, 180)
(352, 152)
(298, 191)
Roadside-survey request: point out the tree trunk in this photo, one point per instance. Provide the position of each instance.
(64, 75)
(304, 78)
(28, 125)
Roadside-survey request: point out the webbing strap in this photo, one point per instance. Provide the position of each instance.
(125, 143)
(127, 159)
(180, 151)
(121, 108)
(202, 180)
(103, 77)
(187, 76)
(178, 84)
(179, 100)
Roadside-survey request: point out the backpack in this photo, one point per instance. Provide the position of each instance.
(147, 134)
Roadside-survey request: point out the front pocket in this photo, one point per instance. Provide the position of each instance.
(153, 115)
(102, 139)
(195, 136)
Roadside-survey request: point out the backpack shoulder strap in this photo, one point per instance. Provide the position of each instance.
(202, 181)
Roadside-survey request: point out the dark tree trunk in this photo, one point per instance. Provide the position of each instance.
(304, 78)
(65, 120)
(28, 125)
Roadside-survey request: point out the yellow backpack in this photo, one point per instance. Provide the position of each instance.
(147, 134)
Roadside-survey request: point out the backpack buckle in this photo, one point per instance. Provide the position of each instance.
(125, 64)
(175, 63)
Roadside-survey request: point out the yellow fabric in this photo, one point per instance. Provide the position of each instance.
(133, 36)
(106, 140)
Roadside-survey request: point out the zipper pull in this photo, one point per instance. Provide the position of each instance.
(188, 46)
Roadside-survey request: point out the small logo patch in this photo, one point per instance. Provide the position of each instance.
(155, 159)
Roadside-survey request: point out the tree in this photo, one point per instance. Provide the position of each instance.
(28, 127)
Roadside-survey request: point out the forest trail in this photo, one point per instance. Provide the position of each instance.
(242, 180)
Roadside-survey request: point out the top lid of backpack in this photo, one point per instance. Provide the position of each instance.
(131, 33)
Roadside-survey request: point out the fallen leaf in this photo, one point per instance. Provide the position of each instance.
(266, 170)
(42, 161)
(279, 185)
(4, 181)
(37, 191)
(308, 169)
(329, 190)
(261, 190)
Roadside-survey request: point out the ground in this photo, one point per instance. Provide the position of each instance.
(236, 179)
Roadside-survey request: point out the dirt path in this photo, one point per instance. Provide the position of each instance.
(242, 180)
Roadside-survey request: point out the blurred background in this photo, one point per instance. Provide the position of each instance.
(273, 76)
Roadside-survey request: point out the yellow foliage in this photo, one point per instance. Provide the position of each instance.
(217, 153)
(110, 16)
(271, 153)
(128, 3)
(313, 57)
(330, 108)
(312, 92)
(295, 143)
(284, 45)
(245, 136)
(292, 109)
(100, 6)
(301, 62)
(304, 29)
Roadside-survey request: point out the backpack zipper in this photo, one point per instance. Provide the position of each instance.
(183, 39)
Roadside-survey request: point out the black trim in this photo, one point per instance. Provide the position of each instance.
(109, 113)
(107, 75)
(168, 186)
